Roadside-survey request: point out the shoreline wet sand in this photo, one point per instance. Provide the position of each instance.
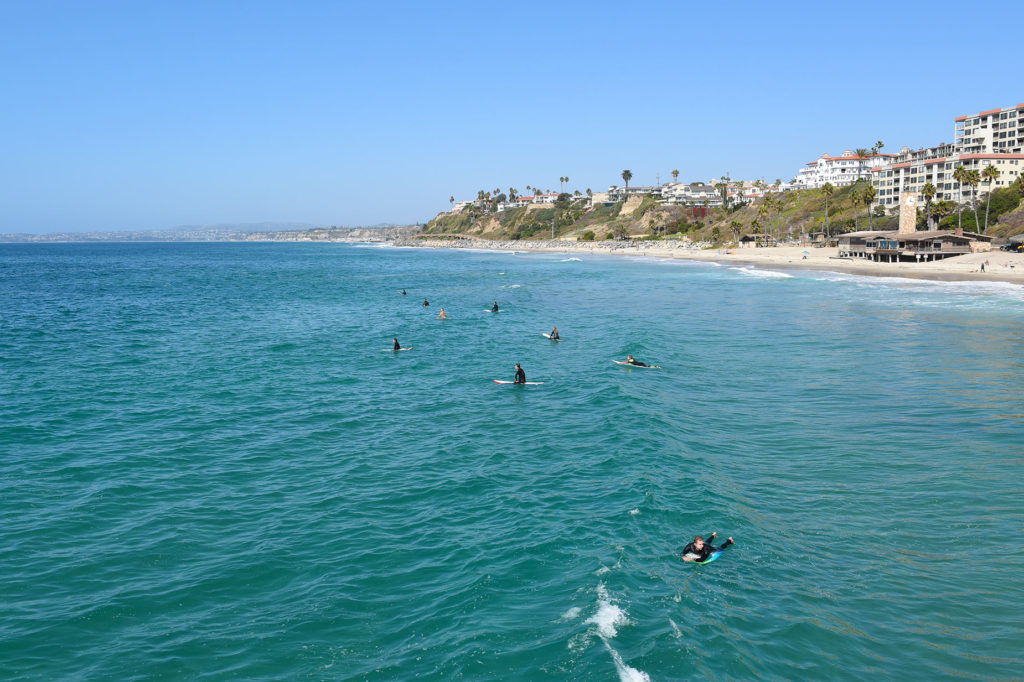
(1000, 266)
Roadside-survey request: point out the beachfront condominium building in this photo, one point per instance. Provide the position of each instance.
(838, 171)
(991, 138)
(995, 130)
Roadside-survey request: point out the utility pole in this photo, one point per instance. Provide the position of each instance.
(552, 228)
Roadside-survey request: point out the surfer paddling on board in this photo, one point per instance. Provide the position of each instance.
(700, 551)
(554, 333)
(520, 375)
(637, 363)
(494, 308)
(398, 346)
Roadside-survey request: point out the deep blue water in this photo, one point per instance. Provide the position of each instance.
(210, 468)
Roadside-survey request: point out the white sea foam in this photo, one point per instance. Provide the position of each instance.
(609, 617)
(767, 274)
(634, 512)
(626, 673)
(571, 614)
(569, 260)
(675, 629)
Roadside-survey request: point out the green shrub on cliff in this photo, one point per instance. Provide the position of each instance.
(588, 236)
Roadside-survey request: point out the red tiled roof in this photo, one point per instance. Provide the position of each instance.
(902, 165)
(930, 161)
(959, 118)
(990, 111)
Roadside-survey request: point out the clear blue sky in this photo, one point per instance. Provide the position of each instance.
(140, 115)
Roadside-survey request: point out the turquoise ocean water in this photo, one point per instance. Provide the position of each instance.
(210, 470)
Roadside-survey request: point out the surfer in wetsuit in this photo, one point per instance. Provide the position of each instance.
(403, 292)
(554, 333)
(494, 308)
(637, 363)
(425, 303)
(398, 346)
(520, 375)
(698, 550)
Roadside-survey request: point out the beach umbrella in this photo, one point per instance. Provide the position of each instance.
(806, 251)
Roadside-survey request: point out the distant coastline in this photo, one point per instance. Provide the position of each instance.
(1000, 266)
(262, 232)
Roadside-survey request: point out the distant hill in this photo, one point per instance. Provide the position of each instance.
(225, 233)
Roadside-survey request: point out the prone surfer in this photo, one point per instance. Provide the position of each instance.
(698, 550)
(554, 333)
(637, 363)
(494, 308)
(520, 375)
(398, 346)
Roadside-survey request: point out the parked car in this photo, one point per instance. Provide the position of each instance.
(1013, 247)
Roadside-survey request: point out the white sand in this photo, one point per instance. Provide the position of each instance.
(1000, 266)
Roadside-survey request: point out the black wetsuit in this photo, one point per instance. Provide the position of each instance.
(397, 345)
(637, 363)
(520, 376)
(554, 335)
(426, 302)
(704, 552)
(494, 308)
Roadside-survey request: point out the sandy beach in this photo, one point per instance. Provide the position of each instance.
(1000, 266)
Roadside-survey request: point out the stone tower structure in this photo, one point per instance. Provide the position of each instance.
(908, 212)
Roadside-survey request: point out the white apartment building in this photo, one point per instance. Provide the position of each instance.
(995, 130)
(977, 145)
(838, 171)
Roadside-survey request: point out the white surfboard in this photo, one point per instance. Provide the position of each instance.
(630, 364)
(548, 336)
(528, 383)
(394, 350)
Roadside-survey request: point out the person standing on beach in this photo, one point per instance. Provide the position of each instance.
(698, 550)
(520, 375)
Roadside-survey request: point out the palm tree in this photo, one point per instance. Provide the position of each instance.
(974, 179)
(451, 200)
(868, 195)
(958, 175)
(929, 193)
(590, 192)
(990, 173)
(861, 155)
(941, 210)
(675, 176)
(855, 198)
(827, 188)
(567, 180)
(737, 228)
(627, 175)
